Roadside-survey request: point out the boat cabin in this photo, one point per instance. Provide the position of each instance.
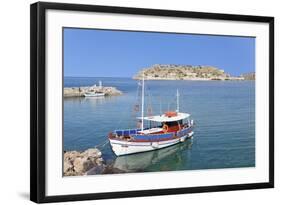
(168, 122)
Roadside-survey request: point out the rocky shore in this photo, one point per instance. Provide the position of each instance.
(88, 162)
(184, 72)
(79, 91)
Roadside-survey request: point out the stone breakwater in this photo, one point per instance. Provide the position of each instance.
(80, 91)
(88, 162)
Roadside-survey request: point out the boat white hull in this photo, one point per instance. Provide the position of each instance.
(120, 147)
(94, 94)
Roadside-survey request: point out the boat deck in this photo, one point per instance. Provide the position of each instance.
(152, 134)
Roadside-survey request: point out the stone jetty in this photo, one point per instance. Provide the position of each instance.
(79, 91)
(88, 162)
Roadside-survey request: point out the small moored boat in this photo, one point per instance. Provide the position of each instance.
(172, 127)
(94, 94)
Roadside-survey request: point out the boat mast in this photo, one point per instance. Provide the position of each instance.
(178, 103)
(142, 101)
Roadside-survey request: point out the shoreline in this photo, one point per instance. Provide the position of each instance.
(194, 79)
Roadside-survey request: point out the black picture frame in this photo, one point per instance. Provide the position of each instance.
(38, 100)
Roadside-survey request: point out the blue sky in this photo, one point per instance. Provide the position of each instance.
(105, 53)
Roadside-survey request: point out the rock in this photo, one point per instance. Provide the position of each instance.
(71, 155)
(249, 76)
(70, 173)
(88, 162)
(96, 170)
(104, 169)
(67, 166)
(81, 165)
(112, 170)
(99, 161)
(93, 152)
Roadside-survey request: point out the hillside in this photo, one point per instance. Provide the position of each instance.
(184, 72)
(249, 76)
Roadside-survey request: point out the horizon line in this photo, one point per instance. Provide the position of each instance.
(97, 77)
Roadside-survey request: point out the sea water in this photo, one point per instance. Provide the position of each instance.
(223, 112)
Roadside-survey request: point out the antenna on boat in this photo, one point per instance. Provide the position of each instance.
(142, 101)
(178, 103)
(160, 106)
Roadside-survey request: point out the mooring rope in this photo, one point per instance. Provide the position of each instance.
(101, 146)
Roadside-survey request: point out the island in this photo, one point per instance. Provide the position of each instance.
(186, 72)
(80, 91)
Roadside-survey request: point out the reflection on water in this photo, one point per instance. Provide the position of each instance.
(140, 162)
(93, 100)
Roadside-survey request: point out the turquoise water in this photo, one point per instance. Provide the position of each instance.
(223, 111)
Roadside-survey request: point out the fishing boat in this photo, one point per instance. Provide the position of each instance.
(170, 128)
(94, 94)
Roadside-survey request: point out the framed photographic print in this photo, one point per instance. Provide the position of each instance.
(129, 102)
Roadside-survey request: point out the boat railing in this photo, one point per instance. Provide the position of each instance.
(153, 136)
(126, 132)
(184, 131)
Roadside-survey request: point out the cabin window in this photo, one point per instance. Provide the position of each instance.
(171, 124)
